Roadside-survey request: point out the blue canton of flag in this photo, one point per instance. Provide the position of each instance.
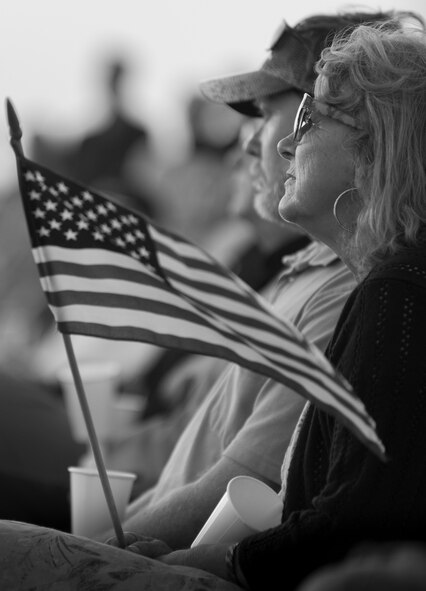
(108, 272)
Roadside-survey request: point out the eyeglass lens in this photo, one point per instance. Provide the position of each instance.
(303, 118)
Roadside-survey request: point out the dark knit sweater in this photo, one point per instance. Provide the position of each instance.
(338, 493)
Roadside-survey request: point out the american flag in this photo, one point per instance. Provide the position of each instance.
(108, 272)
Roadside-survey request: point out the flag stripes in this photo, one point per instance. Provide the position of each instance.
(125, 295)
(60, 274)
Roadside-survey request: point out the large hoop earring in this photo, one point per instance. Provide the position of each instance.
(336, 205)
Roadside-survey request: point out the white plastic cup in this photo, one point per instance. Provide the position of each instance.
(247, 507)
(90, 514)
(100, 383)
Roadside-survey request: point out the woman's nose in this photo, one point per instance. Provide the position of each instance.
(285, 147)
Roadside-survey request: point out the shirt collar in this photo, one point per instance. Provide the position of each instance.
(315, 254)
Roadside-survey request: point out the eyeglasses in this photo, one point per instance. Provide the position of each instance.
(303, 121)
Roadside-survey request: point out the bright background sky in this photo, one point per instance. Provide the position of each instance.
(51, 50)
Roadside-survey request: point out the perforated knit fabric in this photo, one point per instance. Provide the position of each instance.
(338, 493)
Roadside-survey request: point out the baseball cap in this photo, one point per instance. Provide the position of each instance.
(292, 55)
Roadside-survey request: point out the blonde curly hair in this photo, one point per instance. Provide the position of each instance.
(378, 73)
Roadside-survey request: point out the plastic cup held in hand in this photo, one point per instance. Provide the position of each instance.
(90, 514)
(247, 507)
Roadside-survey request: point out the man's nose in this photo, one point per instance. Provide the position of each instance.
(252, 144)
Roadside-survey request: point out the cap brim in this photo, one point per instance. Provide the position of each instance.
(241, 91)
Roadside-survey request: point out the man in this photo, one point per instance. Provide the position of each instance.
(245, 423)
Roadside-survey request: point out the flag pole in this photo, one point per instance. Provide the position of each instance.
(94, 440)
(15, 142)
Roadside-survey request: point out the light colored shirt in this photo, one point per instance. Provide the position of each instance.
(250, 418)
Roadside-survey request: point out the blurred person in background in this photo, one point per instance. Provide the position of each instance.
(33, 472)
(103, 158)
(106, 156)
(196, 192)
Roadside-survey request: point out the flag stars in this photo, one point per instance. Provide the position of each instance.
(87, 196)
(66, 215)
(120, 242)
(82, 225)
(34, 195)
(55, 225)
(134, 254)
(125, 220)
(133, 219)
(116, 224)
(51, 205)
(106, 229)
(70, 235)
(78, 202)
(130, 238)
(140, 234)
(44, 231)
(102, 210)
(62, 187)
(144, 252)
(111, 206)
(39, 213)
(53, 191)
(40, 178)
(29, 176)
(98, 236)
(91, 215)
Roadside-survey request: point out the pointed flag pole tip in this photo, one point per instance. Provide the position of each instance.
(14, 128)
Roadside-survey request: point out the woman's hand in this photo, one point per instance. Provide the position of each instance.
(208, 557)
(143, 545)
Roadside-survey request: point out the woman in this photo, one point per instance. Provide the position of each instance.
(357, 182)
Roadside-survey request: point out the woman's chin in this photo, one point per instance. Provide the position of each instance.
(287, 211)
